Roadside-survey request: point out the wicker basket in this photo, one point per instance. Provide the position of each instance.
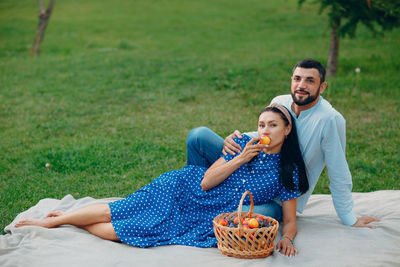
(245, 243)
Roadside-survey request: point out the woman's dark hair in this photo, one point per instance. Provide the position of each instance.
(291, 157)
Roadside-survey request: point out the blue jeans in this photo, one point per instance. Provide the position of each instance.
(204, 147)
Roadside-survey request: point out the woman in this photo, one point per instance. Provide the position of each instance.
(178, 207)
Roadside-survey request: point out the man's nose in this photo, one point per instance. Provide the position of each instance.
(302, 83)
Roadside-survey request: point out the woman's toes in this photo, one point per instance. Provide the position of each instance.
(35, 222)
(24, 222)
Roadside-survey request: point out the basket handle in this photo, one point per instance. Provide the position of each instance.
(250, 214)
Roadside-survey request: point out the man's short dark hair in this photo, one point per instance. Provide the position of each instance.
(309, 63)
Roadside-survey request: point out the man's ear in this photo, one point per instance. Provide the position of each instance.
(323, 87)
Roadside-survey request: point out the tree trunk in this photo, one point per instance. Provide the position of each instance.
(44, 17)
(333, 48)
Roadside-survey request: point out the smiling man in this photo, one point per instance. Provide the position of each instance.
(308, 83)
(322, 136)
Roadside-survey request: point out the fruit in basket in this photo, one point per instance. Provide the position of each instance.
(244, 241)
(256, 221)
(236, 220)
(265, 140)
(260, 221)
(253, 223)
(223, 222)
(246, 221)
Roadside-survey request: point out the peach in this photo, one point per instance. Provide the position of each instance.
(265, 140)
(246, 221)
(223, 222)
(236, 220)
(253, 223)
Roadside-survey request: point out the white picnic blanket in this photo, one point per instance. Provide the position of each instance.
(322, 240)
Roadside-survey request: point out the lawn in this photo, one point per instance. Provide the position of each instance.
(119, 85)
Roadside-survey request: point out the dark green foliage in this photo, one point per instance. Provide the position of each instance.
(376, 15)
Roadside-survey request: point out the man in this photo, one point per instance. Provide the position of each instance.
(321, 131)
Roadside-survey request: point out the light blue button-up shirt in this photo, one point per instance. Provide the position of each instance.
(322, 136)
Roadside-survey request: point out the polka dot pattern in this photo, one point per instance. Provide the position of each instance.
(174, 210)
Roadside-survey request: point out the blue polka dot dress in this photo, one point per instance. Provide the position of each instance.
(174, 210)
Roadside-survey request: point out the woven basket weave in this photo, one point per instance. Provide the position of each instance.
(245, 243)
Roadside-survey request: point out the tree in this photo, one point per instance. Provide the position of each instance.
(44, 16)
(344, 16)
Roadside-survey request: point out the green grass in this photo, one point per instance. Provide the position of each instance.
(119, 85)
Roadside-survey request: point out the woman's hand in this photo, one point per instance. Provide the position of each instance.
(221, 169)
(230, 146)
(251, 150)
(289, 228)
(286, 247)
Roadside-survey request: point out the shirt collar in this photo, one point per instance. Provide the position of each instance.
(305, 112)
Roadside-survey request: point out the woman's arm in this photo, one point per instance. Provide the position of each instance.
(221, 169)
(289, 228)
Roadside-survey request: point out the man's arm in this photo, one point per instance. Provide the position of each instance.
(333, 146)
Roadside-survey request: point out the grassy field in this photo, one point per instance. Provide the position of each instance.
(119, 85)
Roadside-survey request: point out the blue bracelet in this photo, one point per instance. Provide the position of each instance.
(291, 241)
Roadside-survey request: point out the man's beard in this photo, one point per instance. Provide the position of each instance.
(304, 101)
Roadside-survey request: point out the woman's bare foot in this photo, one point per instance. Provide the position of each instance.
(55, 214)
(47, 223)
(36, 222)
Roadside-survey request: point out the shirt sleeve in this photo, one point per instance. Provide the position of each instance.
(285, 194)
(333, 146)
(252, 134)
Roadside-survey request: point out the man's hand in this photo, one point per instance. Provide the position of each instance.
(364, 222)
(231, 146)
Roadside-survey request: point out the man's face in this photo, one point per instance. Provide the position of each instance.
(306, 86)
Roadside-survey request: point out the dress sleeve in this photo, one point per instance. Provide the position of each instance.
(242, 142)
(286, 194)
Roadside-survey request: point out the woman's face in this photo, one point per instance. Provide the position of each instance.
(272, 125)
